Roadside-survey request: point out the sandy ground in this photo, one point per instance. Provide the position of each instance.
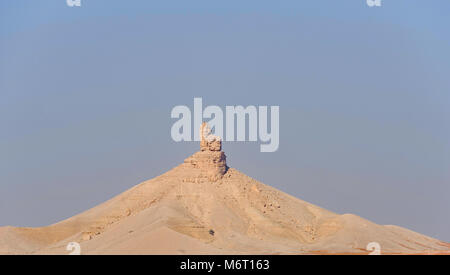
(233, 215)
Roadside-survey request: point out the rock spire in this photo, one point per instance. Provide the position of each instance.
(210, 162)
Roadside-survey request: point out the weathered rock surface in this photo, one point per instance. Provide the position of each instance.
(210, 162)
(208, 141)
(206, 165)
(176, 212)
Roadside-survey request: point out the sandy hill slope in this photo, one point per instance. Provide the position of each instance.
(204, 207)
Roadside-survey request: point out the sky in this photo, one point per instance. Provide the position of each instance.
(364, 94)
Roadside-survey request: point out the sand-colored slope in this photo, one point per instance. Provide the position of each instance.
(172, 215)
(203, 207)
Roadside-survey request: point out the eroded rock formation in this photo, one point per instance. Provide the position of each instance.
(208, 141)
(210, 162)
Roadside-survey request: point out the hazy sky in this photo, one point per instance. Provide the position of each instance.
(364, 96)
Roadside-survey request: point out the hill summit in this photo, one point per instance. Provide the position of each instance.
(204, 207)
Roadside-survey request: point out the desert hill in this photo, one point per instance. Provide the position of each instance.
(204, 207)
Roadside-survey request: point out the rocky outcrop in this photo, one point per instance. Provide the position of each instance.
(210, 162)
(183, 211)
(208, 141)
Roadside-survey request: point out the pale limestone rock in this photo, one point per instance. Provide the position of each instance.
(86, 236)
(210, 162)
(209, 142)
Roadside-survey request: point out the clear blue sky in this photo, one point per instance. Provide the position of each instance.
(364, 96)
